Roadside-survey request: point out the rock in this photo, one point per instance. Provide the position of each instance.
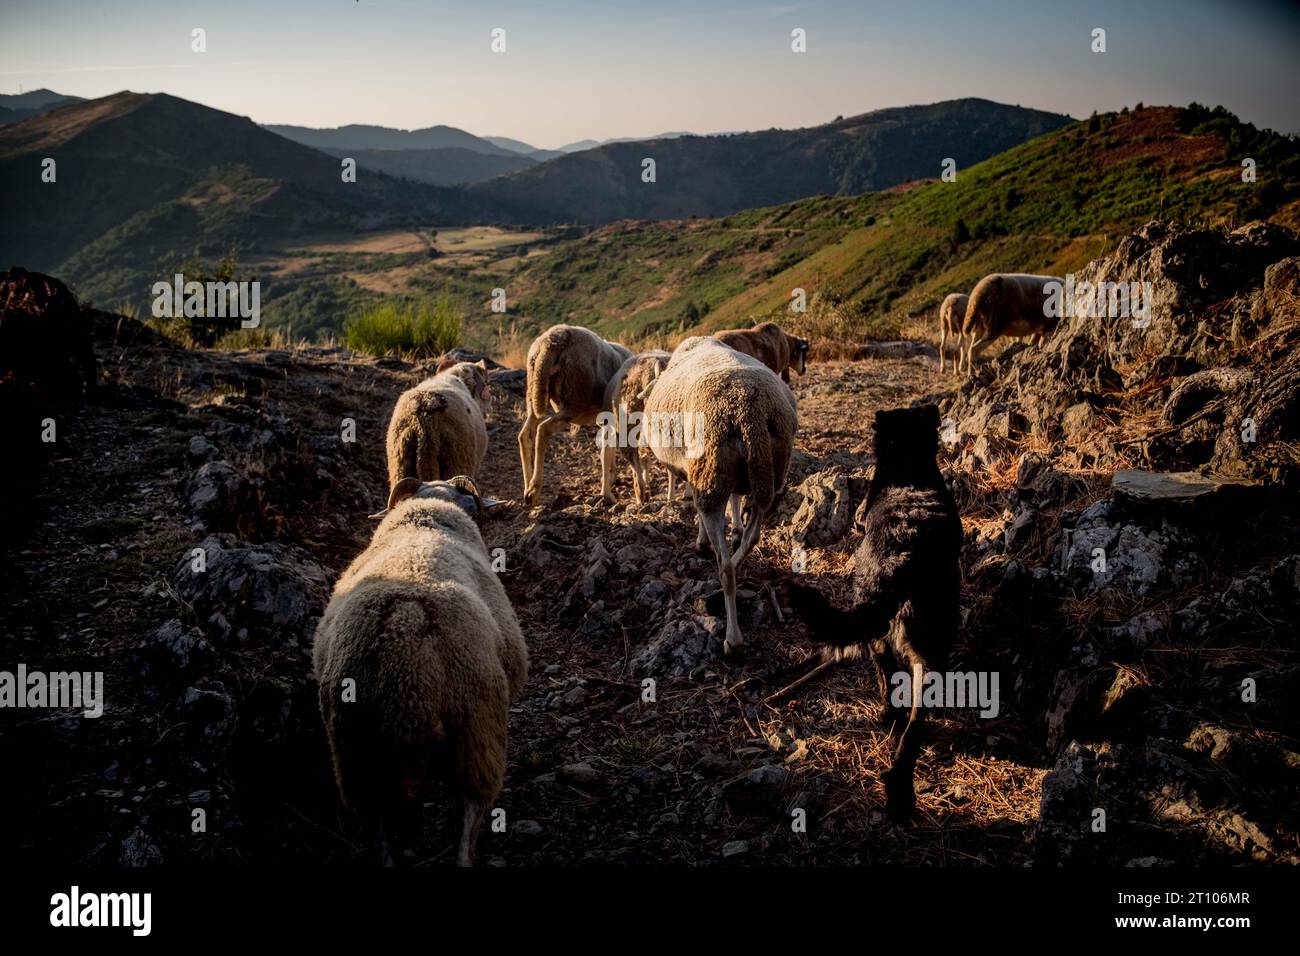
(169, 653)
(717, 766)
(682, 645)
(1078, 422)
(269, 589)
(581, 773)
(200, 450)
(1135, 486)
(735, 848)
(826, 512)
(211, 719)
(653, 594)
(527, 828)
(597, 566)
(215, 495)
(760, 790)
(139, 851)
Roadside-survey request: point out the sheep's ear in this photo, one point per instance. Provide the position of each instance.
(482, 363)
(404, 489)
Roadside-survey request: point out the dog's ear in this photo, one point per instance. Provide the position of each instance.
(404, 489)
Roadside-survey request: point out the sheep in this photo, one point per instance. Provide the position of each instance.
(1006, 303)
(906, 582)
(722, 421)
(951, 314)
(437, 429)
(771, 345)
(625, 398)
(568, 370)
(417, 657)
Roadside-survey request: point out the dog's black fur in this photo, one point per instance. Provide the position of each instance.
(906, 581)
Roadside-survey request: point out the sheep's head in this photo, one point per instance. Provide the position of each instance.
(473, 375)
(460, 491)
(798, 353)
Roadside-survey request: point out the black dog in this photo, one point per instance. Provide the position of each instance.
(906, 582)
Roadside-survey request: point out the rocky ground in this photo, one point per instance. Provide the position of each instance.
(1159, 687)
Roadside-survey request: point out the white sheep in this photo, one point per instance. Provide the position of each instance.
(568, 370)
(418, 656)
(725, 423)
(438, 430)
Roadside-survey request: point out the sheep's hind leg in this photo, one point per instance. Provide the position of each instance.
(737, 521)
(527, 441)
(715, 524)
(549, 426)
(608, 456)
(474, 811)
(750, 535)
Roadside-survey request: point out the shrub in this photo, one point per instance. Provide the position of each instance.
(396, 327)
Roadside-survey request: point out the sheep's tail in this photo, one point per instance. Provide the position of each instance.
(541, 367)
(760, 458)
(861, 623)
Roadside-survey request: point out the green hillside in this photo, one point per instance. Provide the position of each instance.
(722, 174)
(877, 260)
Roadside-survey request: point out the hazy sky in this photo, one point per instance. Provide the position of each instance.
(579, 68)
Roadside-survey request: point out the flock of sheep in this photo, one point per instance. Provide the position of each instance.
(1003, 303)
(419, 655)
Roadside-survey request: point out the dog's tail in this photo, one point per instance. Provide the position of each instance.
(863, 622)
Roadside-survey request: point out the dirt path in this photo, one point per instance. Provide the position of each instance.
(706, 767)
(597, 774)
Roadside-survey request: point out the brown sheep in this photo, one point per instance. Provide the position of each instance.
(569, 369)
(1007, 303)
(418, 656)
(437, 430)
(771, 345)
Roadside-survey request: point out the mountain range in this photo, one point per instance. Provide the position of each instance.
(145, 179)
(14, 108)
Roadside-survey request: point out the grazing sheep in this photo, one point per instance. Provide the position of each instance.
(418, 656)
(951, 315)
(771, 345)
(722, 421)
(568, 371)
(1006, 303)
(437, 429)
(624, 399)
(906, 582)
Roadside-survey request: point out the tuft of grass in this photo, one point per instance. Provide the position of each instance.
(397, 327)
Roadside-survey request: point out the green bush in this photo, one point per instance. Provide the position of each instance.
(396, 327)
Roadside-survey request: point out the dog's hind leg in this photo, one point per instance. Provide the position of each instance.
(900, 790)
